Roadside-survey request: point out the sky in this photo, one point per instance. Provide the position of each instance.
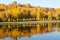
(41, 3)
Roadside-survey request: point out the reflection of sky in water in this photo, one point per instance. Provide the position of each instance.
(7, 39)
(47, 36)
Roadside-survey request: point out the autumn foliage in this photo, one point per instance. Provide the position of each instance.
(25, 12)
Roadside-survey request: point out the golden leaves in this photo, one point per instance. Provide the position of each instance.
(15, 9)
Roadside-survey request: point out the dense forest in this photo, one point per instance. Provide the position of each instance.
(15, 12)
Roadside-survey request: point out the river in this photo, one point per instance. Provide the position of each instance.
(44, 31)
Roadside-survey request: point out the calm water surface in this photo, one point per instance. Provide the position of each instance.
(50, 31)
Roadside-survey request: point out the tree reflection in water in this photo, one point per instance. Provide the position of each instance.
(26, 30)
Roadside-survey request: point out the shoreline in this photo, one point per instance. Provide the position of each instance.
(30, 22)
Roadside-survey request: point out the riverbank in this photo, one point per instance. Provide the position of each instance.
(30, 22)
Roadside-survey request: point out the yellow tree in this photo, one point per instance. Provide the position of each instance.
(49, 15)
(1, 17)
(28, 5)
(33, 12)
(58, 13)
(7, 13)
(15, 12)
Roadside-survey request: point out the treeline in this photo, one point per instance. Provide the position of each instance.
(25, 12)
